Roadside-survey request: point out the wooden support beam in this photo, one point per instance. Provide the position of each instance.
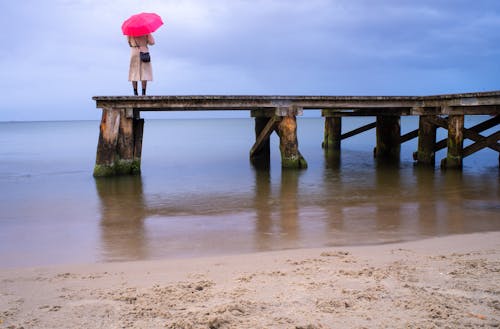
(289, 145)
(408, 136)
(260, 153)
(125, 145)
(359, 130)
(117, 152)
(472, 110)
(138, 134)
(474, 136)
(264, 127)
(483, 142)
(388, 137)
(426, 141)
(438, 121)
(454, 158)
(279, 111)
(108, 139)
(468, 133)
(333, 133)
(490, 123)
(441, 145)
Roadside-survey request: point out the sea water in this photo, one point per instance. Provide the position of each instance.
(198, 194)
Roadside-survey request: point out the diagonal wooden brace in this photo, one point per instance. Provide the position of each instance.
(481, 142)
(271, 126)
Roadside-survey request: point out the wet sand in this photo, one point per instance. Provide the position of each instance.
(449, 282)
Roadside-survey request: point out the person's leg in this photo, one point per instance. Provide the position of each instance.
(134, 85)
(144, 85)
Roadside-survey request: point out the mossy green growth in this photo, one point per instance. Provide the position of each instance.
(103, 170)
(296, 162)
(120, 167)
(127, 167)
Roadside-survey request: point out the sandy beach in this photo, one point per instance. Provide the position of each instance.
(449, 282)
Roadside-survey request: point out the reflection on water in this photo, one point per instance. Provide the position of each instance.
(123, 211)
(388, 204)
(195, 199)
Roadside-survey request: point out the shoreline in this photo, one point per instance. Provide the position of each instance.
(441, 281)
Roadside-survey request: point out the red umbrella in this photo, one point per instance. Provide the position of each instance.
(141, 24)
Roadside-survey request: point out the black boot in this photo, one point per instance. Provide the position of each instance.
(143, 92)
(135, 92)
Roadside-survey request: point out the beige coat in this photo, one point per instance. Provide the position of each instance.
(140, 71)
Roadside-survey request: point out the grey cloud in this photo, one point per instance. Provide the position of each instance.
(259, 46)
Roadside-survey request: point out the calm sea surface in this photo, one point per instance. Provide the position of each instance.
(198, 194)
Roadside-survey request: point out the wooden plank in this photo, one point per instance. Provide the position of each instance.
(473, 110)
(366, 111)
(359, 130)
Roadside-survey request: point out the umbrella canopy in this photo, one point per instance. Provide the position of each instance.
(141, 24)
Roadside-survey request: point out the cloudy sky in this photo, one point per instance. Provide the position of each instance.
(57, 54)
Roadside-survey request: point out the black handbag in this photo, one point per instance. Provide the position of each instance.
(145, 57)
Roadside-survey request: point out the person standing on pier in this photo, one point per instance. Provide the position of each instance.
(140, 70)
(138, 29)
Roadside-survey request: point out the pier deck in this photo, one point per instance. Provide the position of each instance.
(120, 140)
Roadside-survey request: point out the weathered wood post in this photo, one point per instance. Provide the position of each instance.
(333, 132)
(425, 154)
(281, 120)
(388, 137)
(260, 155)
(332, 138)
(455, 143)
(289, 145)
(120, 143)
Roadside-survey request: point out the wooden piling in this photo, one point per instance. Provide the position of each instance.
(138, 133)
(425, 154)
(289, 145)
(120, 143)
(333, 133)
(260, 154)
(388, 137)
(455, 143)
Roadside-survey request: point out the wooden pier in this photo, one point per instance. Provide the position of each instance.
(120, 140)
